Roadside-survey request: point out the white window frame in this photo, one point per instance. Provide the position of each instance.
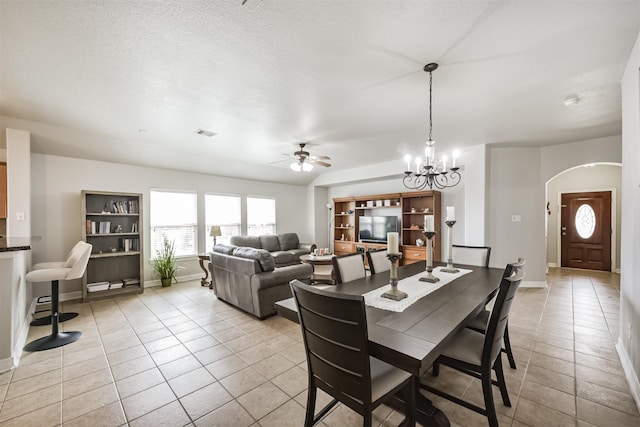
(262, 230)
(227, 229)
(194, 226)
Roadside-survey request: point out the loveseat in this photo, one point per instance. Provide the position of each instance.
(285, 248)
(249, 279)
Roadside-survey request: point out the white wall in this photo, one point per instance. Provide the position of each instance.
(514, 189)
(600, 177)
(629, 341)
(18, 183)
(57, 182)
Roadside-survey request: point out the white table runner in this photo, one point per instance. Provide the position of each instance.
(414, 288)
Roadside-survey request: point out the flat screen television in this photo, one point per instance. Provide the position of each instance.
(374, 229)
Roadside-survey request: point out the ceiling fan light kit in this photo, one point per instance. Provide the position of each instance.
(304, 161)
(431, 172)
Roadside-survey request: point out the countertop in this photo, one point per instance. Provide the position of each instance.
(9, 244)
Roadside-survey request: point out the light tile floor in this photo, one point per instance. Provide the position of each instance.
(177, 356)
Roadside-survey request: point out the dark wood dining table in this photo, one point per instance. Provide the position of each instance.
(412, 339)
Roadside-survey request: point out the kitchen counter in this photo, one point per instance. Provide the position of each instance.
(8, 244)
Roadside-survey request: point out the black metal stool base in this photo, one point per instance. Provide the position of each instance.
(47, 319)
(53, 341)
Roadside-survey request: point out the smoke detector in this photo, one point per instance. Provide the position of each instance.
(205, 132)
(571, 100)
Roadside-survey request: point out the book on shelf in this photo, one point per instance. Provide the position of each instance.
(129, 244)
(115, 285)
(97, 286)
(131, 282)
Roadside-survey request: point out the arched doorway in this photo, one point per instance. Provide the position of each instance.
(590, 178)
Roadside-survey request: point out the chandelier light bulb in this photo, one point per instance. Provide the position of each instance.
(444, 161)
(418, 164)
(456, 154)
(295, 166)
(407, 159)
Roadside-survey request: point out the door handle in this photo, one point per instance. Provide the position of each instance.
(564, 234)
(564, 228)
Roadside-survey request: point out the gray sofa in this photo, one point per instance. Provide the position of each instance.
(285, 248)
(249, 279)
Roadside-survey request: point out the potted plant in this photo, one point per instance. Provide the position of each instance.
(164, 264)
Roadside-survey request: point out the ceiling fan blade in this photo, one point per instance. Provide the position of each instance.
(320, 163)
(320, 158)
(278, 161)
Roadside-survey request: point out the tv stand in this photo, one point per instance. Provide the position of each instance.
(410, 207)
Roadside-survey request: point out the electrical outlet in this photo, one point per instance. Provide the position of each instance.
(19, 216)
(515, 218)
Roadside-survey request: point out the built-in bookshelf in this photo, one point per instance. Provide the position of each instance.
(112, 224)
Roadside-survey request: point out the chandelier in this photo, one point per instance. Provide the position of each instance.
(431, 172)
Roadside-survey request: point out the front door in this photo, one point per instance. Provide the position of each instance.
(585, 228)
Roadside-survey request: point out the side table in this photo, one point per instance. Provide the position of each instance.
(322, 268)
(205, 280)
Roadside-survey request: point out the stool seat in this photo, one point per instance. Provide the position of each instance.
(76, 270)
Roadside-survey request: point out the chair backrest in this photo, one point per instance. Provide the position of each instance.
(378, 261)
(509, 284)
(72, 256)
(82, 259)
(334, 329)
(471, 255)
(348, 267)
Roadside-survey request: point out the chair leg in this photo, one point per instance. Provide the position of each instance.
(507, 348)
(488, 398)
(311, 405)
(497, 366)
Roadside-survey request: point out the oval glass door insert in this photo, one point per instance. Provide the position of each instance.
(585, 221)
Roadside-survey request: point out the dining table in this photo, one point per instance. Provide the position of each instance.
(412, 339)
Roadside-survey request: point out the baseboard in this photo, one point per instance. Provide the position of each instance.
(180, 279)
(7, 364)
(21, 341)
(68, 296)
(533, 284)
(552, 265)
(618, 270)
(629, 372)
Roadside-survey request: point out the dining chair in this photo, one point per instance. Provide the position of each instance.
(479, 323)
(477, 354)
(334, 329)
(54, 275)
(347, 268)
(471, 255)
(378, 261)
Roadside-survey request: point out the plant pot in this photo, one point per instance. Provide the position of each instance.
(166, 282)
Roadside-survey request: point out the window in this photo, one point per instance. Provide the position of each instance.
(174, 214)
(225, 212)
(261, 216)
(585, 221)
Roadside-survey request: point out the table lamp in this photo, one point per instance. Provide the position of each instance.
(215, 232)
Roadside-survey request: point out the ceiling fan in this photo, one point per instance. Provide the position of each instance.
(304, 161)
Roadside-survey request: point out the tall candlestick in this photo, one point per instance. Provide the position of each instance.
(451, 213)
(450, 268)
(429, 277)
(394, 293)
(392, 243)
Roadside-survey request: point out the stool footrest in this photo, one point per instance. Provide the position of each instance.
(46, 320)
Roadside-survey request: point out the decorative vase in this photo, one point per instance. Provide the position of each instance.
(166, 282)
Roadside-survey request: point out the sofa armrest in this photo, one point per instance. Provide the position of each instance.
(309, 247)
(281, 276)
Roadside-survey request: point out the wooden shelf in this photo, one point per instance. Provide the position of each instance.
(105, 264)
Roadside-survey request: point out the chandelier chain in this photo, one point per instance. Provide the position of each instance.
(430, 104)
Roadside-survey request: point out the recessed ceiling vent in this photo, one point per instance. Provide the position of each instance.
(205, 132)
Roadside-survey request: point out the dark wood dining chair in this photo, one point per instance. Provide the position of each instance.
(334, 328)
(348, 267)
(479, 323)
(378, 261)
(477, 354)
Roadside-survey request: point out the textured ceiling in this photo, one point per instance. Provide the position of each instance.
(85, 76)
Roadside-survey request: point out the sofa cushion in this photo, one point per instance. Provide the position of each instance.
(288, 241)
(224, 249)
(283, 257)
(270, 242)
(262, 256)
(250, 241)
(297, 253)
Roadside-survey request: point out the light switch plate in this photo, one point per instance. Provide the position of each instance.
(19, 216)
(515, 218)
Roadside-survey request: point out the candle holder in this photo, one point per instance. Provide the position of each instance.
(450, 268)
(429, 277)
(394, 293)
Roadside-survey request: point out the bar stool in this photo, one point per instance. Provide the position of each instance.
(46, 299)
(76, 271)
